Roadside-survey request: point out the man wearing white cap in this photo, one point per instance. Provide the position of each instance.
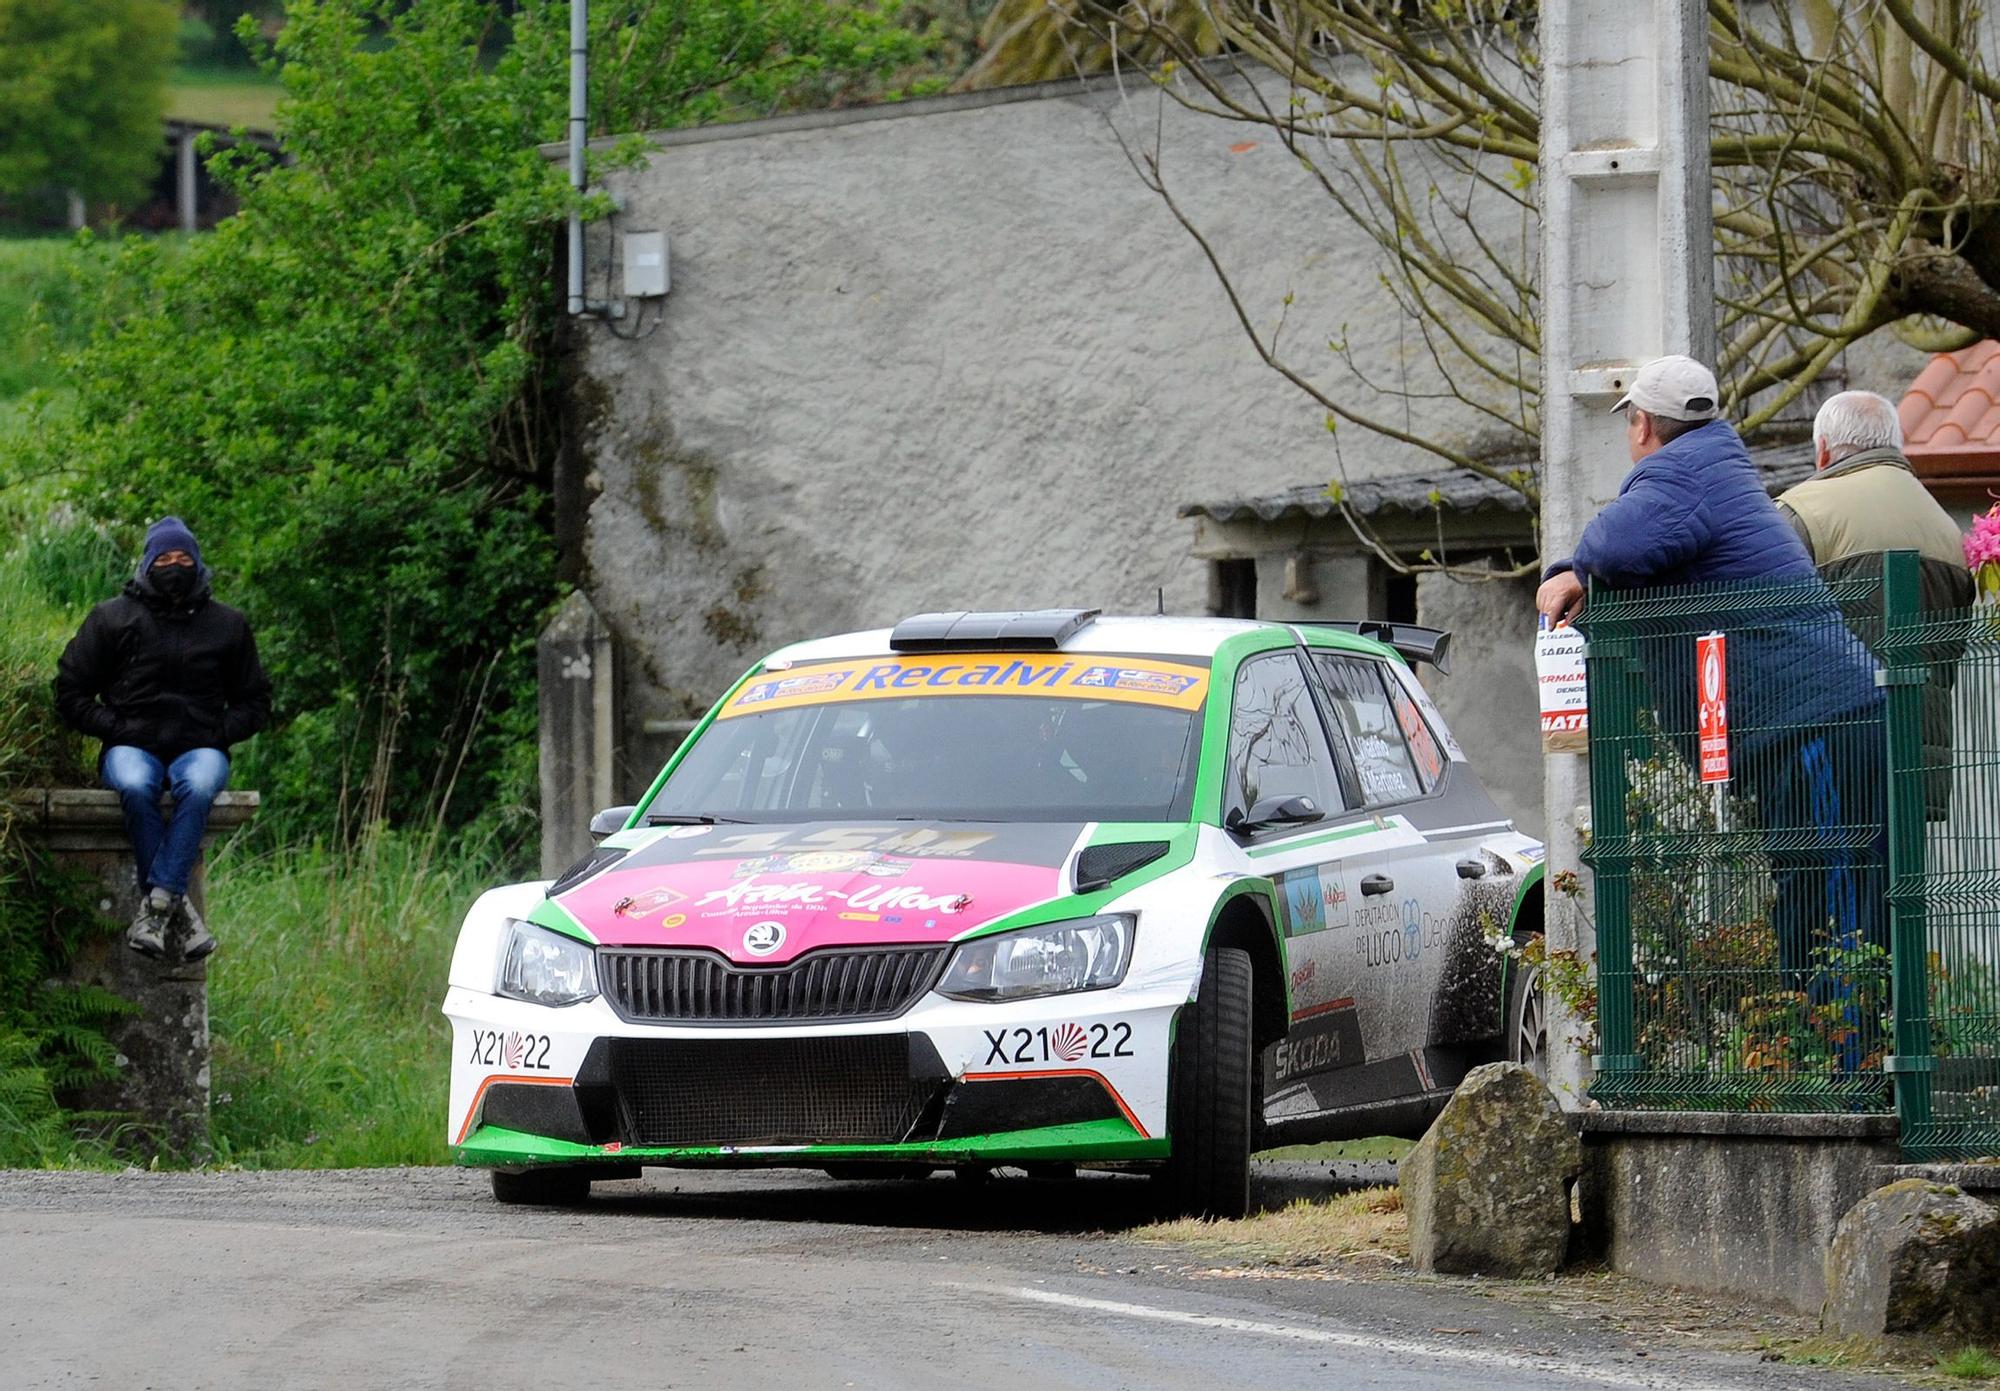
(1694, 510)
(1804, 709)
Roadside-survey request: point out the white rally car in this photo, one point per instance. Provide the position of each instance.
(1022, 889)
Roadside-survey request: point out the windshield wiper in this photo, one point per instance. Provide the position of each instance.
(693, 818)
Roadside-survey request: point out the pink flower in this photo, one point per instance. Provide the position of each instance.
(1982, 545)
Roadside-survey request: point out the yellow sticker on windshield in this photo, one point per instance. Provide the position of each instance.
(1136, 680)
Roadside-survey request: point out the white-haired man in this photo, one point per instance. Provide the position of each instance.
(1865, 500)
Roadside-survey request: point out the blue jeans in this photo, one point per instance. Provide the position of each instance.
(1826, 792)
(165, 850)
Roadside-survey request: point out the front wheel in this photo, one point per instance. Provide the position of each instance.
(542, 1187)
(1209, 1093)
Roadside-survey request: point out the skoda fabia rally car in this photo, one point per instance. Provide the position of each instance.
(1011, 889)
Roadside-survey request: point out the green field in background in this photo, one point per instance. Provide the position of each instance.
(223, 96)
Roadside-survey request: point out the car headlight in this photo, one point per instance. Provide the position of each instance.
(545, 968)
(1054, 959)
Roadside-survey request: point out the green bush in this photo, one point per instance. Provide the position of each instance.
(349, 390)
(51, 1036)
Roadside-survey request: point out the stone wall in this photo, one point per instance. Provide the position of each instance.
(162, 1086)
(1736, 1204)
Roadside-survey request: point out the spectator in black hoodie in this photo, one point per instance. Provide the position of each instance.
(169, 680)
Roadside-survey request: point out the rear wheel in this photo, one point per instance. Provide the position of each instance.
(1209, 1092)
(542, 1187)
(1528, 1019)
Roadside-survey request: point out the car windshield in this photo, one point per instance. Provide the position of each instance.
(926, 738)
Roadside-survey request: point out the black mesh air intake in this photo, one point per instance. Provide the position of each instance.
(1099, 865)
(870, 1089)
(590, 864)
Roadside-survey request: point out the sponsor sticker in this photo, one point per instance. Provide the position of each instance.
(1315, 899)
(1176, 685)
(920, 841)
(1137, 679)
(819, 683)
(825, 862)
(642, 905)
(1329, 1038)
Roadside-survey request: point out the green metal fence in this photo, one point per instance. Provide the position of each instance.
(1821, 932)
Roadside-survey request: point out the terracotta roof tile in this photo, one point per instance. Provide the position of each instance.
(1951, 413)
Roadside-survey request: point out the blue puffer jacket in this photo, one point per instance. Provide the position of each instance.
(1695, 512)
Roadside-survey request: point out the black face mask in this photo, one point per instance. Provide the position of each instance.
(174, 582)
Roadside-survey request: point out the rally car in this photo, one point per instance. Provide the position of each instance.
(1037, 889)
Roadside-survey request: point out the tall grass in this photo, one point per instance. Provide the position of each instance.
(43, 313)
(51, 1036)
(330, 1050)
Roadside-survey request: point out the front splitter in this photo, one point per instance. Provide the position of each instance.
(1087, 1142)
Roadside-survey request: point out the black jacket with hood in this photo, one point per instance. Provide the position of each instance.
(161, 675)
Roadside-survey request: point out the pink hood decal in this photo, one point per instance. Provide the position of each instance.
(764, 896)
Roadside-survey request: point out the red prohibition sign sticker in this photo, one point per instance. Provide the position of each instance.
(1711, 664)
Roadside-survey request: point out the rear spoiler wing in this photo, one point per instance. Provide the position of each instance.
(1416, 644)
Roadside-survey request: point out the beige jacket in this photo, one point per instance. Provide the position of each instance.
(1848, 514)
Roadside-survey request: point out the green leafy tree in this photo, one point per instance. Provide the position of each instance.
(350, 388)
(82, 89)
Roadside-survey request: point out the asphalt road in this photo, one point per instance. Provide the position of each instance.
(415, 1278)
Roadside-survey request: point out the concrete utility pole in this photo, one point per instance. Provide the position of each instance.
(1628, 274)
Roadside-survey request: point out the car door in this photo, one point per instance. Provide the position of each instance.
(1420, 957)
(1329, 874)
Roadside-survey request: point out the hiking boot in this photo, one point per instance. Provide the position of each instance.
(148, 933)
(196, 941)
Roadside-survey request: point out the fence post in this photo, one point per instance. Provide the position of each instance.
(1609, 659)
(1902, 679)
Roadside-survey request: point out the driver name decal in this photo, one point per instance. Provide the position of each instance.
(808, 886)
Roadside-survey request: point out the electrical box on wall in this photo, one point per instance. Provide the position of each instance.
(645, 258)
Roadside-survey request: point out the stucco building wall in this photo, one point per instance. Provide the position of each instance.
(956, 354)
(948, 355)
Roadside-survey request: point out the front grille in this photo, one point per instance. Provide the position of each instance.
(771, 1091)
(687, 987)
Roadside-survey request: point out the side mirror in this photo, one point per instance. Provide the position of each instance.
(1276, 811)
(609, 821)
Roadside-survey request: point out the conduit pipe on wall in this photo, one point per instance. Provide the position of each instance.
(579, 131)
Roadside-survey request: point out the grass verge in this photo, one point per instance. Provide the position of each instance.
(1970, 1364)
(330, 1051)
(1366, 1224)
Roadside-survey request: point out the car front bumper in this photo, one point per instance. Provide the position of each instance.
(1075, 1078)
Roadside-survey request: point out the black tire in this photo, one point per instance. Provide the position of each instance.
(1527, 1018)
(1209, 1094)
(542, 1187)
